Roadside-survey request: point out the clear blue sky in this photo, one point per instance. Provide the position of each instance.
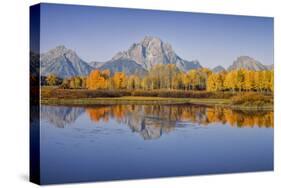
(98, 33)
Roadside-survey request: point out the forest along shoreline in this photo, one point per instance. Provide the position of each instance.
(163, 84)
(53, 95)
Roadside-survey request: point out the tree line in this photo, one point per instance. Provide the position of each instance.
(171, 78)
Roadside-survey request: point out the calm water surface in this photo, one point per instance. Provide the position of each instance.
(140, 141)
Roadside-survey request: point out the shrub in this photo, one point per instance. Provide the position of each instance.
(251, 99)
(181, 94)
(222, 95)
(61, 92)
(145, 93)
(81, 93)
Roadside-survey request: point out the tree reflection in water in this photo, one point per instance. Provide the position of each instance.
(151, 121)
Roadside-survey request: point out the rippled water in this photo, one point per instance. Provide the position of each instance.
(141, 141)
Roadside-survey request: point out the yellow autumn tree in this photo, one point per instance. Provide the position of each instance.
(52, 80)
(97, 80)
(186, 81)
(239, 79)
(133, 82)
(203, 75)
(266, 80)
(177, 81)
(272, 81)
(212, 82)
(249, 80)
(119, 80)
(193, 79)
(229, 81)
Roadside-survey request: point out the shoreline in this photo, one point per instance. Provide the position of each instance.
(152, 101)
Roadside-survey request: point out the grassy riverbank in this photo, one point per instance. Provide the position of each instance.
(243, 101)
(133, 100)
(150, 101)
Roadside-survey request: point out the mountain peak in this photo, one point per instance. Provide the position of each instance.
(63, 62)
(247, 62)
(61, 49)
(218, 69)
(151, 51)
(245, 58)
(148, 39)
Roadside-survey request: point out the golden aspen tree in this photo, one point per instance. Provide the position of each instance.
(220, 81)
(272, 81)
(249, 80)
(186, 81)
(193, 78)
(203, 73)
(239, 78)
(259, 81)
(96, 80)
(133, 82)
(52, 80)
(119, 79)
(212, 82)
(229, 82)
(267, 80)
(177, 81)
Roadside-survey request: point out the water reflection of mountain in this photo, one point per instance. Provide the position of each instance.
(150, 127)
(60, 116)
(137, 117)
(152, 121)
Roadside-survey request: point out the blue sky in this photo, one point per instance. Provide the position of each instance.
(98, 33)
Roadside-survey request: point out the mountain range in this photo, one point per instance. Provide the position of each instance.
(138, 59)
